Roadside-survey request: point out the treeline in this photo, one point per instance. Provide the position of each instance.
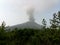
(45, 36)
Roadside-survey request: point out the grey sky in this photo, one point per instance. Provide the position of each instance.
(14, 11)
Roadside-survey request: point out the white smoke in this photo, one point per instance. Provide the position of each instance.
(30, 13)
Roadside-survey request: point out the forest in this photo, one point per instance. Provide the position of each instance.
(44, 36)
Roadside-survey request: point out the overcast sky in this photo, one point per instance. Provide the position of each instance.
(15, 11)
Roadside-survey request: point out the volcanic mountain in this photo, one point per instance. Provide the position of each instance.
(31, 24)
(27, 25)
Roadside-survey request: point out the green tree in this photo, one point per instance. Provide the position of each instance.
(53, 21)
(3, 25)
(44, 23)
(58, 18)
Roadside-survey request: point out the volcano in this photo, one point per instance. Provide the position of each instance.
(27, 25)
(31, 24)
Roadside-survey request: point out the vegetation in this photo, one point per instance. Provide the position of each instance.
(45, 36)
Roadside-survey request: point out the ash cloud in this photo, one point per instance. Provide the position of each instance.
(30, 13)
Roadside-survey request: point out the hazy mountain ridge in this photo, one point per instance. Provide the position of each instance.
(31, 25)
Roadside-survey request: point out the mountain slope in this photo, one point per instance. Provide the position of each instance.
(31, 25)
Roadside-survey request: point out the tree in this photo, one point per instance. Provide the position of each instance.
(58, 18)
(53, 21)
(3, 25)
(44, 23)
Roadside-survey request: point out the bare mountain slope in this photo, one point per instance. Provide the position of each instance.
(31, 25)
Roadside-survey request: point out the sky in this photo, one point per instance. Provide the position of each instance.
(15, 11)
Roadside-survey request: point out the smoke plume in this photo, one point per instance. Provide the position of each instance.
(30, 13)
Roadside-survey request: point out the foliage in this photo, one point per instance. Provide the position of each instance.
(55, 22)
(30, 37)
(44, 23)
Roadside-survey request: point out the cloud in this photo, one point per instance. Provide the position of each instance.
(39, 5)
(45, 4)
